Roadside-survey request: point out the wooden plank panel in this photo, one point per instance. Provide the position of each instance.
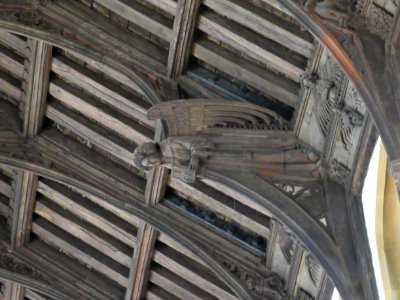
(101, 67)
(78, 254)
(241, 198)
(82, 233)
(254, 18)
(262, 79)
(198, 196)
(162, 237)
(157, 293)
(100, 113)
(71, 202)
(97, 86)
(11, 62)
(8, 171)
(14, 42)
(171, 282)
(110, 207)
(131, 49)
(74, 275)
(254, 47)
(32, 295)
(168, 6)
(5, 186)
(10, 86)
(93, 133)
(5, 209)
(136, 17)
(178, 267)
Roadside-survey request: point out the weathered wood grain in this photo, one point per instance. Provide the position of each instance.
(267, 82)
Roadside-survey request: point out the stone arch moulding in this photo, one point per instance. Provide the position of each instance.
(371, 63)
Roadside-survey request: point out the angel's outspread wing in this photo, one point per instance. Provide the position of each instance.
(191, 117)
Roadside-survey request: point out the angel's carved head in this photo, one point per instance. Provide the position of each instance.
(147, 156)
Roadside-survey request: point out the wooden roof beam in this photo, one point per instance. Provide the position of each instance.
(56, 237)
(264, 23)
(147, 236)
(67, 273)
(88, 211)
(185, 268)
(14, 42)
(137, 17)
(34, 100)
(200, 194)
(129, 48)
(11, 62)
(104, 90)
(80, 173)
(266, 81)
(181, 43)
(97, 111)
(34, 96)
(246, 41)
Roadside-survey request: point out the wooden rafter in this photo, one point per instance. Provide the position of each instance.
(34, 97)
(147, 236)
(184, 27)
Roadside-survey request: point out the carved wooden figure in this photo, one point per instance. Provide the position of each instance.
(196, 142)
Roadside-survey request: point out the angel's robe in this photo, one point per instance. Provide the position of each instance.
(274, 157)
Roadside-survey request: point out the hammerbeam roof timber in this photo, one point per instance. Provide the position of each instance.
(81, 178)
(88, 177)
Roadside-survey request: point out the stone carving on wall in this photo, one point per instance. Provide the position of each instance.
(195, 145)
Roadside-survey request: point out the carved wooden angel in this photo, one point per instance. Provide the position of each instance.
(226, 135)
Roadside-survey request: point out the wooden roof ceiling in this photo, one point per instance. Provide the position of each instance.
(89, 117)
